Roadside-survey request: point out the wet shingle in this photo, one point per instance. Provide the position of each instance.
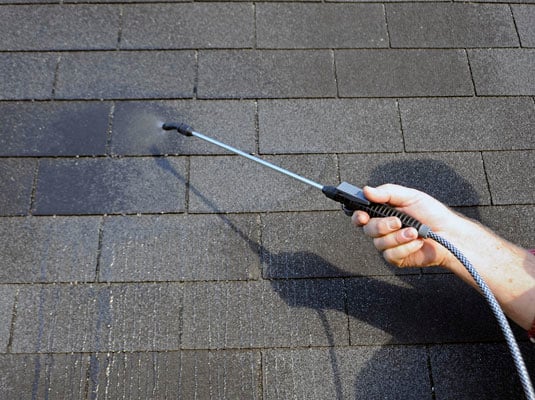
(100, 186)
(53, 129)
(48, 249)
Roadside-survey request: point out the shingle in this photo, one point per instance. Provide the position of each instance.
(27, 75)
(328, 126)
(180, 248)
(137, 126)
(320, 26)
(43, 376)
(499, 1)
(503, 71)
(53, 129)
(180, 375)
(266, 74)
(235, 184)
(16, 181)
(483, 371)
(349, 373)
(59, 27)
(402, 73)
(82, 318)
(104, 185)
(510, 176)
(451, 25)
(453, 178)
(514, 223)
(48, 249)
(318, 244)
(460, 124)
(117, 75)
(7, 299)
(182, 26)
(278, 313)
(524, 17)
(437, 308)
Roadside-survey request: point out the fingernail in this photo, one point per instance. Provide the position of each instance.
(410, 233)
(393, 224)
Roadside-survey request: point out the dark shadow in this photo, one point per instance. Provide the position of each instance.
(430, 308)
(433, 177)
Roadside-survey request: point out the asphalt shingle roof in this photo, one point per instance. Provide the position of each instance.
(138, 264)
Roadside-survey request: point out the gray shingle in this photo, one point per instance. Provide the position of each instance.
(54, 376)
(180, 375)
(182, 26)
(328, 126)
(402, 73)
(325, 244)
(7, 299)
(499, 1)
(81, 318)
(137, 126)
(524, 17)
(27, 75)
(103, 185)
(266, 74)
(483, 371)
(53, 129)
(279, 313)
(453, 178)
(235, 184)
(117, 75)
(349, 373)
(503, 71)
(48, 249)
(16, 181)
(514, 223)
(451, 25)
(156, 248)
(433, 308)
(320, 26)
(511, 177)
(461, 124)
(59, 27)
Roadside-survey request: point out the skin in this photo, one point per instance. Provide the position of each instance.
(507, 269)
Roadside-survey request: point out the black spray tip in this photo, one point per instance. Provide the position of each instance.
(169, 126)
(179, 127)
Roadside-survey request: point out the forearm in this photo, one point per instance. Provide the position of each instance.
(508, 269)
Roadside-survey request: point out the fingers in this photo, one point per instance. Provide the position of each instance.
(395, 243)
(360, 218)
(377, 227)
(399, 255)
(395, 239)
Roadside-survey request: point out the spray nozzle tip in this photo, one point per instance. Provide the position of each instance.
(179, 127)
(169, 126)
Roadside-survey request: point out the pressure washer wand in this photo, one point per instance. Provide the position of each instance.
(351, 197)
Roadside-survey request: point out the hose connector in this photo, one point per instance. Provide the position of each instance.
(184, 129)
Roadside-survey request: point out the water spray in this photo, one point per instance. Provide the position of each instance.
(352, 198)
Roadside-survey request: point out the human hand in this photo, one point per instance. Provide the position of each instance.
(403, 247)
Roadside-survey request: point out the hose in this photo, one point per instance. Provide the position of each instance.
(498, 313)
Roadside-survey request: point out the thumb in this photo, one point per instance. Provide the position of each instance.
(395, 195)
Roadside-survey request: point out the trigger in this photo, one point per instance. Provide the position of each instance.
(348, 211)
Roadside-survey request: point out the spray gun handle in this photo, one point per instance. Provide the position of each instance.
(352, 199)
